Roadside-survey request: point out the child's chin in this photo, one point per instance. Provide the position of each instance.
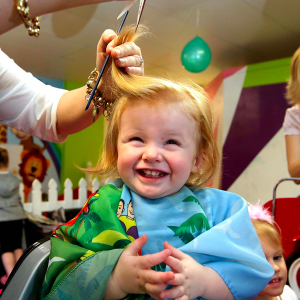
(272, 292)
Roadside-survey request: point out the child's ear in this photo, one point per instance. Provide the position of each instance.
(197, 163)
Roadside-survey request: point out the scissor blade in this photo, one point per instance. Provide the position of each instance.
(142, 4)
(126, 8)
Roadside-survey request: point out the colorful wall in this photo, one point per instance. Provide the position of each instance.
(58, 159)
(81, 148)
(249, 104)
(249, 107)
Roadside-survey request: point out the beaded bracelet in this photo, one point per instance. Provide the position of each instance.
(32, 24)
(97, 100)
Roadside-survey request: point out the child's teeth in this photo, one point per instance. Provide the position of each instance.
(152, 173)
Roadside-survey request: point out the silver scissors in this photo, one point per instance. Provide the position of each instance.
(141, 9)
(124, 12)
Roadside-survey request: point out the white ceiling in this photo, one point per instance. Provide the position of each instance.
(238, 32)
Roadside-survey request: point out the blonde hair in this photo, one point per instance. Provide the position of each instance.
(293, 86)
(270, 233)
(159, 92)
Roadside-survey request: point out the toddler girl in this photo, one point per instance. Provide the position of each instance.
(193, 242)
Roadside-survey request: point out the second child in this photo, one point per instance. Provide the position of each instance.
(11, 215)
(270, 239)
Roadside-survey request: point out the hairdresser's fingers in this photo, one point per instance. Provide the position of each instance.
(124, 50)
(135, 70)
(128, 56)
(107, 36)
(133, 65)
(130, 61)
(103, 47)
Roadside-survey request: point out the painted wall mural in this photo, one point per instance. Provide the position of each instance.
(32, 158)
(249, 108)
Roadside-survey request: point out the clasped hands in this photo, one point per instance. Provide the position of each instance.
(133, 274)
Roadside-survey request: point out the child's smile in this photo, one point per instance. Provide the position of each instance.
(156, 151)
(151, 174)
(275, 282)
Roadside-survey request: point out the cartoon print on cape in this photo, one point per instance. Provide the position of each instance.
(197, 221)
(127, 221)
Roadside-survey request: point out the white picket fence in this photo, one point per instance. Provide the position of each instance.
(37, 206)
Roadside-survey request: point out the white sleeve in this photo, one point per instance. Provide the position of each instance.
(26, 103)
(291, 124)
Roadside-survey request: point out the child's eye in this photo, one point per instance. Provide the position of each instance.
(172, 142)
(136, 139)
(278, 257)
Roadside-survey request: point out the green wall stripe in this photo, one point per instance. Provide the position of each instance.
(270, 72)
(81, 147)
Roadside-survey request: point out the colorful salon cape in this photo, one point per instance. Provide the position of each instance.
(211, 225)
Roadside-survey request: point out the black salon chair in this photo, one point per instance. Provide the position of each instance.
(26, 279)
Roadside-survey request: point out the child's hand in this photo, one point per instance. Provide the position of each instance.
(186, 284)
(132, 273)
(192, 279)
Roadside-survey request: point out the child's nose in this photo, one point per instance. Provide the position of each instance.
(276, 267)
(152, 154)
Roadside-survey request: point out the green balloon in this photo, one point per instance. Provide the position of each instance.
(196, 55)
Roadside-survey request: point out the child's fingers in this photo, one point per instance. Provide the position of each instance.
(178, 280)
(175, 252)
(173, 293)
(155, 296)
(174, 263)
(151, 260)
(155, 288)
(183, 297)
(151, 276)
(136, 245)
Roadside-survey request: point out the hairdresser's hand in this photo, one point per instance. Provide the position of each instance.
(10, 18)
(126, 56)
(133, 275)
